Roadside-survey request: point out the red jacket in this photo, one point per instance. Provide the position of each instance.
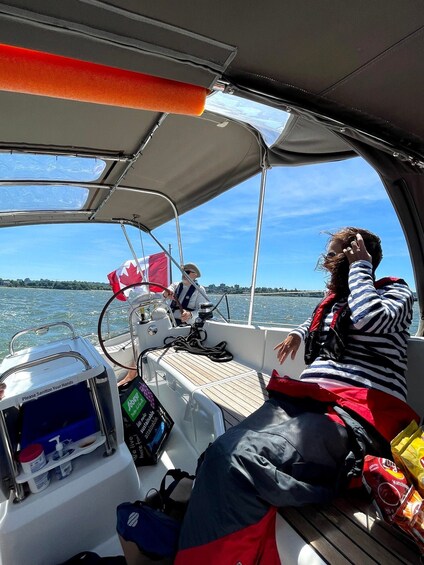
(386, 413)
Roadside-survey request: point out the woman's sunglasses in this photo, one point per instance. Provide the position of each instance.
(330, 255)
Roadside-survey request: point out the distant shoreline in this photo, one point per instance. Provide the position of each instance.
(295, 293)
(212, 289)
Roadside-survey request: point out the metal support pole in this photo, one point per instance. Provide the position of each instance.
(99, 412)
(13, 468)
(257, 241)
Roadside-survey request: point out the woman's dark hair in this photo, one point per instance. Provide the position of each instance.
(338, 266)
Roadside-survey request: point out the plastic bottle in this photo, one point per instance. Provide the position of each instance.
(32, 459)
(65, 469)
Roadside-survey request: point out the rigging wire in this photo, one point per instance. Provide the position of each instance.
(130, 246)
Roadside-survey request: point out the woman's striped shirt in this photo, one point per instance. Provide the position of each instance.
(376, 350)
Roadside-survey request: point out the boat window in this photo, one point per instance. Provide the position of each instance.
(29, 166)
(270, 122)
(42, 197)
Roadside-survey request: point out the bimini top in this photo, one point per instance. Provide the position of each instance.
(349, 75)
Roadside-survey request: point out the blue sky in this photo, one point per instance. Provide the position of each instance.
(301, 204)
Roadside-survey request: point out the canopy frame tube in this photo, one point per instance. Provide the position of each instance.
(265, 168)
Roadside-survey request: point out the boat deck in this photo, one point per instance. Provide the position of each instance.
(346, 531)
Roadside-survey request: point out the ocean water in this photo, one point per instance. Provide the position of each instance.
(23, 308)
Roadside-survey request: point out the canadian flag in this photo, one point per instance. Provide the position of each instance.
(154, 268)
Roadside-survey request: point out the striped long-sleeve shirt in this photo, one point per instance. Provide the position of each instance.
(375, 354)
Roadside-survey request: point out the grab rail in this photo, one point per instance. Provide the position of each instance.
(47, 359)
(91, 383)
(40, 329)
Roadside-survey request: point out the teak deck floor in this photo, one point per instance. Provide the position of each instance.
(348, 530)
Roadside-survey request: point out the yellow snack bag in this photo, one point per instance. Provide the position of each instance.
(412, 457)
(399, 443)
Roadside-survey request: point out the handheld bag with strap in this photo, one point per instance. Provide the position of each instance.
(152, 527)
(147, 424)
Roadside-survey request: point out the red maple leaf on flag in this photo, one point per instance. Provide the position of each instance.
(133, 276)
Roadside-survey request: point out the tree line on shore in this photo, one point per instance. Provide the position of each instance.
(84, 285)
(58, 285)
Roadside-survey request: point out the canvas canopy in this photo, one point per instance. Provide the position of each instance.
(343, 66)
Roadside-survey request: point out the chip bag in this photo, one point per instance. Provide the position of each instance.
(387, 485)
(397, 501)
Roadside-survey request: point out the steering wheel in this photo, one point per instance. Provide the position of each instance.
(104, 310)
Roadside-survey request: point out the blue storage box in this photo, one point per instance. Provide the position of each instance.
(68, 413)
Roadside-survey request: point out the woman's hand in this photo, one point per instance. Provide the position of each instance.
(357, 250)
(168, 294)
(288, 347)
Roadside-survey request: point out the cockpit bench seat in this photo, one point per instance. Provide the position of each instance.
(198, 370)
(346, 531)
(235, 388)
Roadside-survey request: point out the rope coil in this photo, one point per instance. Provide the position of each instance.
(193, 343)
